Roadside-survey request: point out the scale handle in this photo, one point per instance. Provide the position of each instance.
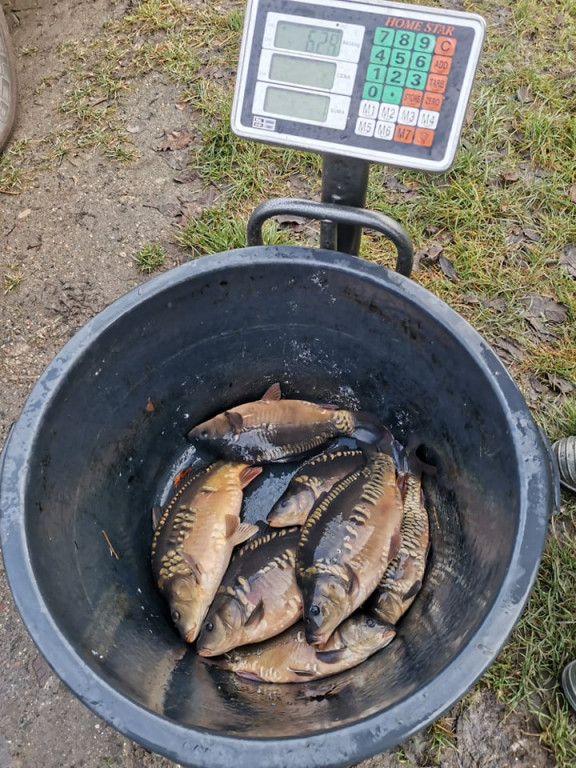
(338, 214)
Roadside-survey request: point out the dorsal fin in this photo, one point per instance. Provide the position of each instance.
(273, 392)
(156, 515)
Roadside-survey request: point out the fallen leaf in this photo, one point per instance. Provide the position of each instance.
(25, 213)
(507, 349)
(150, 406)
(447, 268)
(175, 140)
(295, 223)
(532, 235)
(41, 671)
(186, 177)
(572, 192)
(568, 259)
(510, 176)
(543, 307)
(540, 329)
(558, 384)
(524, 95)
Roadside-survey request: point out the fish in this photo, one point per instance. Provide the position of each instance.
(346, 543)
(274, 429)
(289, 658)
(403, 578)
(194, 538)
(258, 597)
(316, 477)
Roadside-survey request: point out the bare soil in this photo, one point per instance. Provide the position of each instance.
(72, 235)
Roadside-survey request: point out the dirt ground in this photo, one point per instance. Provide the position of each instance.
(72, 235)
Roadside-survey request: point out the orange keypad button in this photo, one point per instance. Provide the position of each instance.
(445, 46)
(404, 134)
(423, 137)
(436, 83)
(432, 101)
(441, 65)
(411, 98)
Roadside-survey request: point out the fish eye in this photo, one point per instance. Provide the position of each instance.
(370, 622)
(175, 615)
(204, 433)
(314, 610)
(285, 503)
(209, 626)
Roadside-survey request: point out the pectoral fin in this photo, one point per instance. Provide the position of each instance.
(330, 657)
(301, 672)
(194, 566)
(235, 420)
(241, 532)
(248, 474)
(414, 589)
(353, 583)
(256, 615)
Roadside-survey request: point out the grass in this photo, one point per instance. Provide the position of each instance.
(150, 257)
(502, 215)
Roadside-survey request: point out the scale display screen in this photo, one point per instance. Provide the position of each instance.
(384, 82)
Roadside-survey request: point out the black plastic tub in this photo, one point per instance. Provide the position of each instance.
(104, 430)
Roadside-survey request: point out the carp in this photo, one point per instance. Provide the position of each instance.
(346, 544)
(276, 429)
(194, 538)
(316, 477)
(258, 597)
(403, 578)
(289, 658)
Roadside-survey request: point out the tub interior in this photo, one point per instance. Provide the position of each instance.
(113, 434)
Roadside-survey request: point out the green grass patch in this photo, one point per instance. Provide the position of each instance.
(150, 257)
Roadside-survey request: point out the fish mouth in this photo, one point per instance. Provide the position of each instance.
(205, 652)
(190, 635)
(318, 640)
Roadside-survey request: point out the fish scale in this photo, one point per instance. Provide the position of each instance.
(402, 579)
(258, 596)
(193, 542)
(346, 544)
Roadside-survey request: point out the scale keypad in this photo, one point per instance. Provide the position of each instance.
(405, 84)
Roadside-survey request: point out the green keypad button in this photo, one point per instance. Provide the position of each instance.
(395, 76)
(380, 55)
(383, 36)
(372, 91)
(416, 80)
(375, 73)
(425, 43)
(392, 95)
(421, 61)
(400, 58)
(404, 39)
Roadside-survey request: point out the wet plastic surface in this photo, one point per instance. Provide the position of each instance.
(104, 428)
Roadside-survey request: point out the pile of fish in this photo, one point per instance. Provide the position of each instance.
(320, 586)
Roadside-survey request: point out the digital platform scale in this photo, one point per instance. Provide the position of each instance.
(382, 82)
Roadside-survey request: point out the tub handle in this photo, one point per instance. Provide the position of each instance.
(336, 214)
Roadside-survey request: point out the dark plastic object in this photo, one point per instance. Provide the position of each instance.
(104, 429)
(335, 217)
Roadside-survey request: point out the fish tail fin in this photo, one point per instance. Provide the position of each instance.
(367, 428)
